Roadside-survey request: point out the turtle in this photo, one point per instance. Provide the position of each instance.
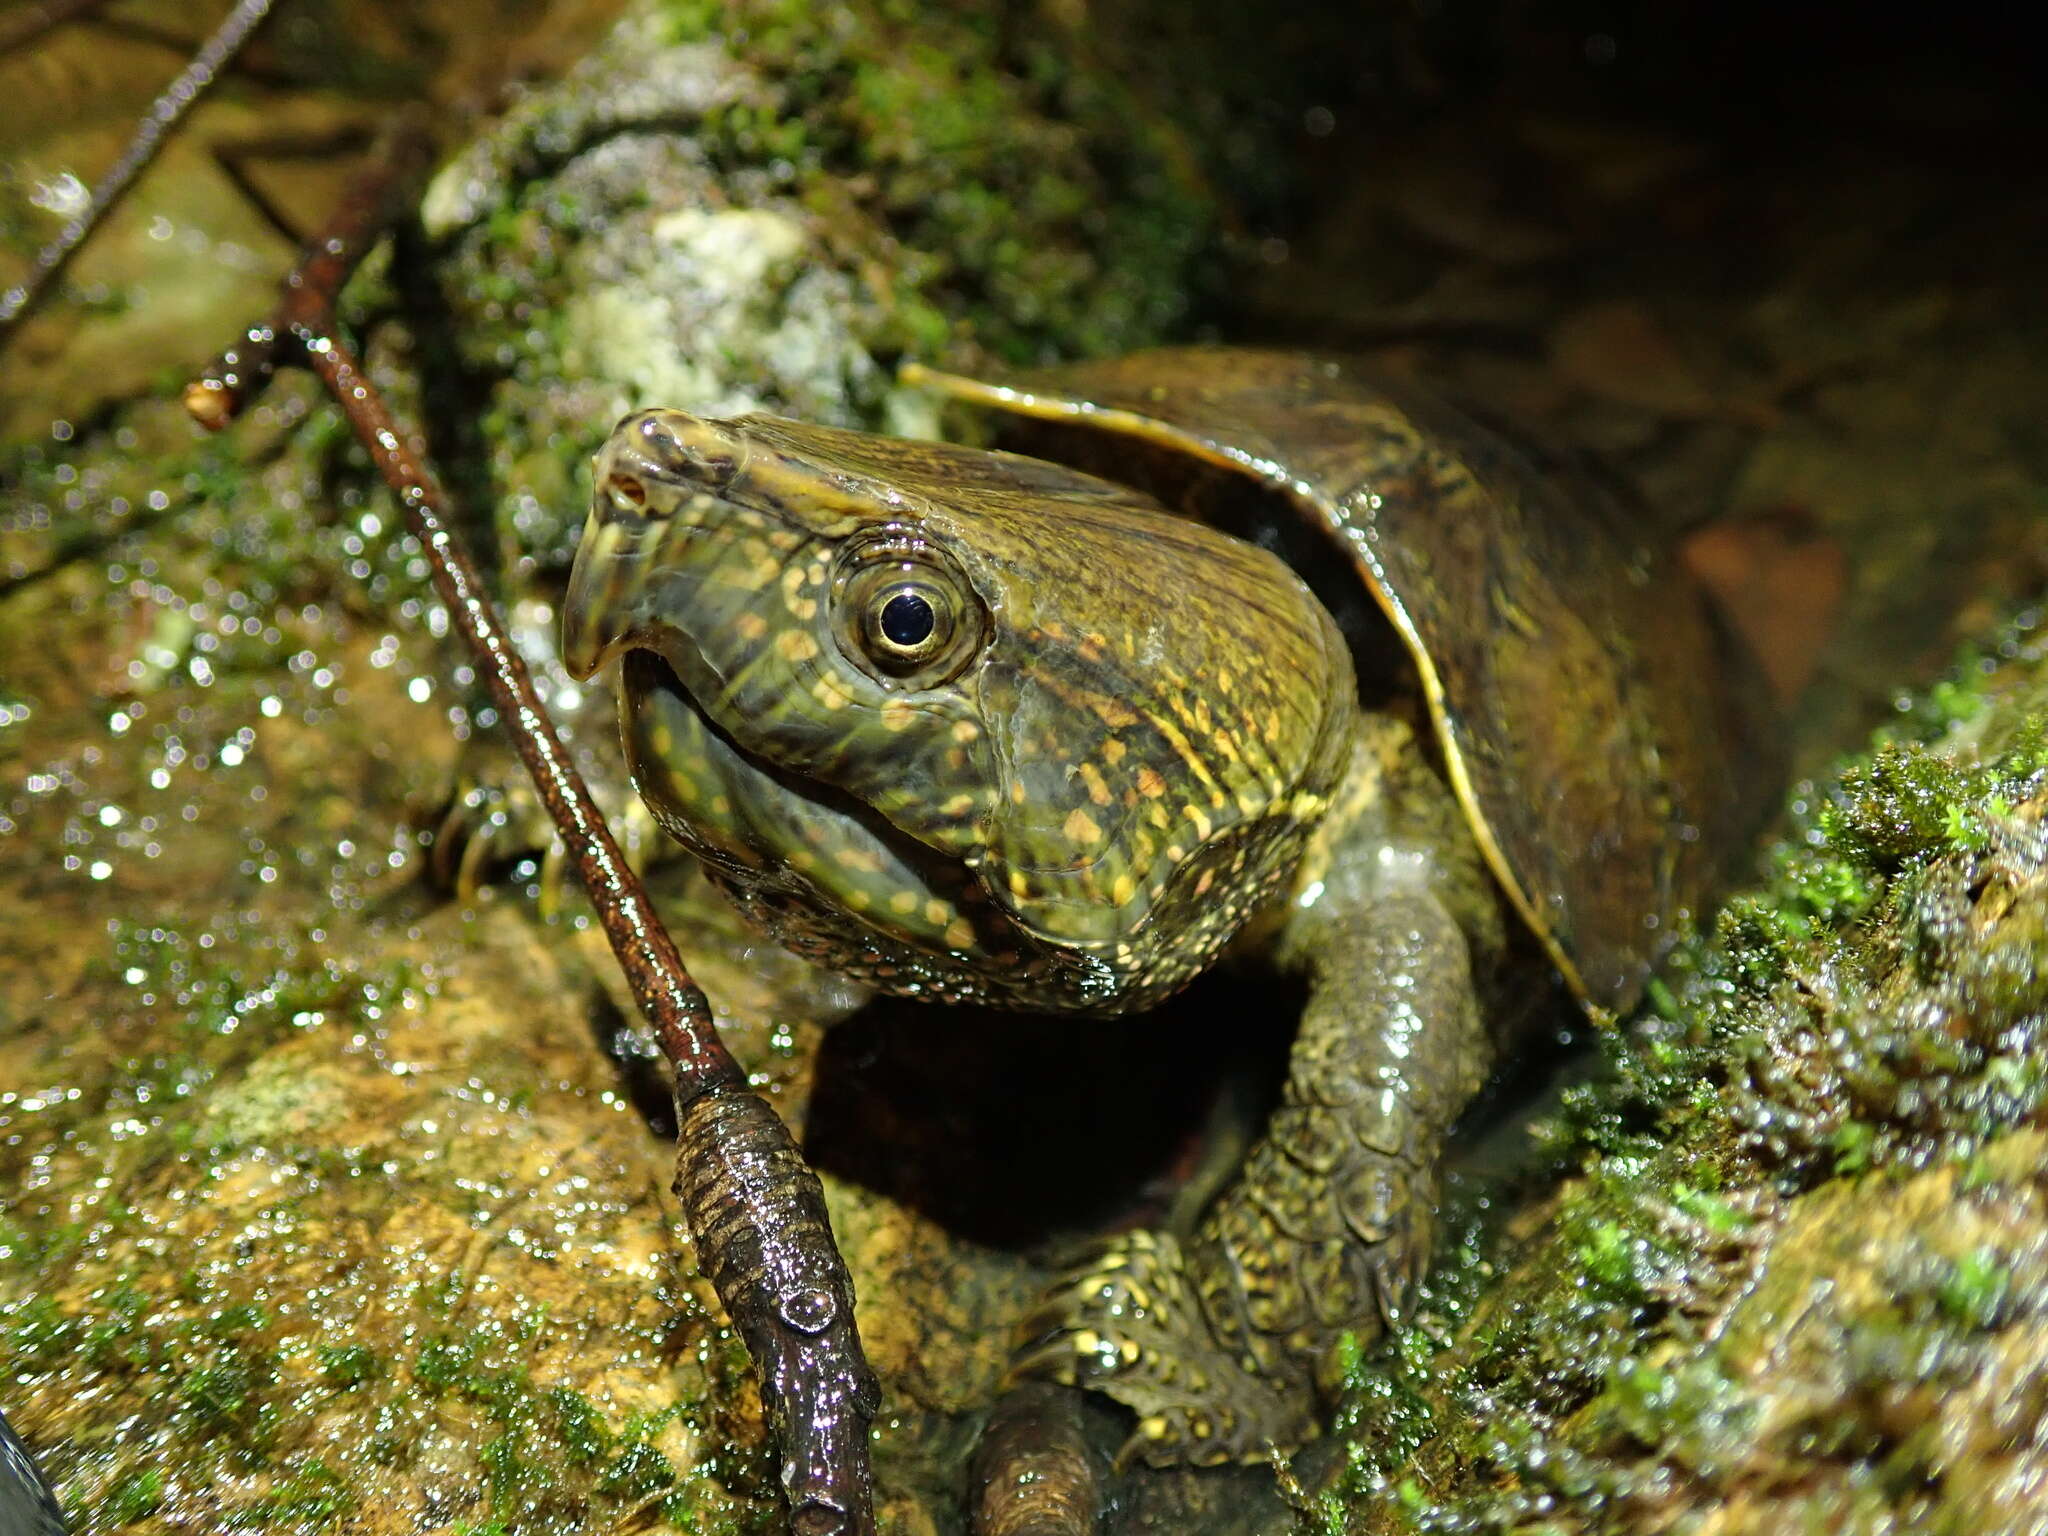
(1251, 654)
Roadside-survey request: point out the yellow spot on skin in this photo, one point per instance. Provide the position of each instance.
(1195, 814)
(750, 626)
(1222, 680)
(960, 933)
(903, 903)
(1175, 852)
(937, 912)
(1112, 712)
(965, 731)
(830, 694)
(1092, 777)
(858, 900)
(1124, 888)
(862, 859)
(720, 806)
(1202, 885)
(1017, 790)
(1158, 817)
(1081, 827)
(1151, 783)
(898, 715)
(664, 741)
(1113, 751)
(959, 805)
(795, 645)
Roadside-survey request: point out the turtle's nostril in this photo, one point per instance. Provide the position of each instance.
(629, 490)
(685, 448)
(661, 443)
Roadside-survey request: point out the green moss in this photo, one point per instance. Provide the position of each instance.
(1975, 1291)
(347, 1365)
(1902, 806)
(1688, 1409)
(135, 1496)
(636, 1472)
(1876, 1007)
(311, 1497)
(444, 1363)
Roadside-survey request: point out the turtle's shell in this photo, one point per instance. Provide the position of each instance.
(1594, 724)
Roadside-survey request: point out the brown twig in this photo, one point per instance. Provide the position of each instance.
(162, 116)
(756, 1209)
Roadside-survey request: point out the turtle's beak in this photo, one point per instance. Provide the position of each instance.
(595, 616)
(652, 464)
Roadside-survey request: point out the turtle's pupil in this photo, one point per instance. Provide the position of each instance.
(907, 619)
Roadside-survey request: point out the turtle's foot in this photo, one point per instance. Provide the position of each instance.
(490, 823)
(1226, 1344)
(1130, 1324)
(493, 826)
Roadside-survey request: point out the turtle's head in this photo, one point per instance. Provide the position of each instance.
(967, 724)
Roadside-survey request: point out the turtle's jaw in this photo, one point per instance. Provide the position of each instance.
(829, 877)
(827, 874)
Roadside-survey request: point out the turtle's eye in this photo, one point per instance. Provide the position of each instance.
(903, 613)
(907, 619)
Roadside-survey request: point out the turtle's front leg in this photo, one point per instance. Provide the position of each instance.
(1219, 1341)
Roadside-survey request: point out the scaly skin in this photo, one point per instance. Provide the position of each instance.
(1221, 1339)
(1115, 739)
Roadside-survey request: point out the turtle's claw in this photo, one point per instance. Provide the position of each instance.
(493, 824)
(1129, 1324)
(487, 827)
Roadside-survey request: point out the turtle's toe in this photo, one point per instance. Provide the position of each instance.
(1129, 1324)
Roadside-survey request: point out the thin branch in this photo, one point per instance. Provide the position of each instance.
(163, 115)
(235, 156)
(755, 1208)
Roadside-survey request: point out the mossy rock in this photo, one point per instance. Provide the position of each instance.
(1797, 1279)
